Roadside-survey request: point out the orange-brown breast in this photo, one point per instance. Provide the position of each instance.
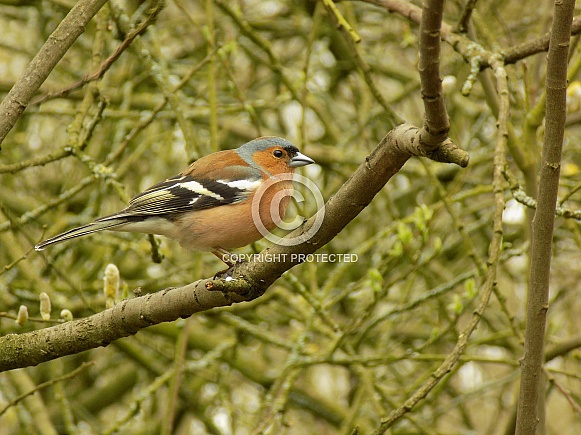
(232, 226)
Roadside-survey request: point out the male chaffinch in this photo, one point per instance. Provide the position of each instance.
(208, 206)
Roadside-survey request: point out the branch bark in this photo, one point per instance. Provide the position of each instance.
(247, 281)
(436, 122)
(57, 44)
(543, 223)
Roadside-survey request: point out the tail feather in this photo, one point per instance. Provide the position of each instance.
(81, 231)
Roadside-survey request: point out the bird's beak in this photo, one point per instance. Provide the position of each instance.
(300, 160)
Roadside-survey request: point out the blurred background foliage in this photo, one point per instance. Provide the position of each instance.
(332, 345)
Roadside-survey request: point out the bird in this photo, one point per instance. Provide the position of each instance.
(209, 205)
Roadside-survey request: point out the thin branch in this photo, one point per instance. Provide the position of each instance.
(48, 383)
(342, 23)
(519, 195)
(58, 43)
(543, 223)
(574, 405)
(158, 72)
(275, 65)
(36, 161)
(464, 20)
(33, 214)
(464, 45)
(538, 45)
(392, 118)
(104, 67)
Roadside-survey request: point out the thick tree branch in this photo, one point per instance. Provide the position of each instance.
(436, 122)
(543, 222)
(246, 281)
(57, 44)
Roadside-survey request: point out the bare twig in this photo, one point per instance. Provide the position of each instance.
(48, 383)
(341, 21)
(520, 196)
(104, 67)
(45, 60)
(464, 20)
(351, 40)
(462, 44)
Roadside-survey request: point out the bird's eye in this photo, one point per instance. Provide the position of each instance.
(277, 153)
